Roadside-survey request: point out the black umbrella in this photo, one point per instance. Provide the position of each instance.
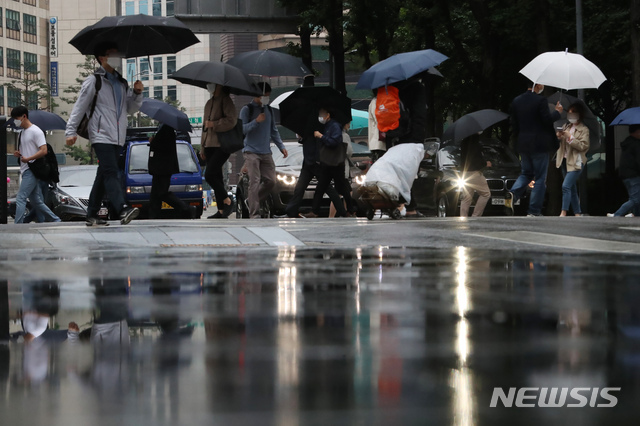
(165, 113)
(472, 123)
(201, 73)
(44, 120)
(303, 103)
(590, 120)
(136, 35)
(269, 63)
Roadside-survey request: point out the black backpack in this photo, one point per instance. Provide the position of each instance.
(52, 160)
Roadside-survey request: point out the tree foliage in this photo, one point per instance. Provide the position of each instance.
(86, 68)
(35, 92)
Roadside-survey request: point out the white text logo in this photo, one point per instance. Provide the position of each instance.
(555, 397)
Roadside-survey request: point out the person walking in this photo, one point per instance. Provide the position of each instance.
(163, 162)
(259, 126)
(221, 116)
(107, 129)
(32, 146)
(376, 146)
(346, 139)
(473, 162)
(332, 154)
(571, 156)
(629, 171)
(532, 125)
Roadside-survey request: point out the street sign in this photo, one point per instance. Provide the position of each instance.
(195, 120)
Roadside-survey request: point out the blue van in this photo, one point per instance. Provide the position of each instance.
(186, 185)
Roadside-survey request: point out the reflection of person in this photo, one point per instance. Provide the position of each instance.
(163, 162)
(472, 163)
(630, 171)
(533, 127)
(221, 116)
(571, 155)
(332, 153)
(107, 129)
(260, 129)
(33, 145)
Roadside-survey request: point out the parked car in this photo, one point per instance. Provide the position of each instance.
(439, 185)
(287, 173)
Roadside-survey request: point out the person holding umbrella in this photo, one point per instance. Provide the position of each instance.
(571, 156)
(107, 129)
(221, 116)
(473, 162)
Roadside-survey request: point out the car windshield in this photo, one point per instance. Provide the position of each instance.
(139, 159)
(499, 155)
(296, 155)
(77, 177)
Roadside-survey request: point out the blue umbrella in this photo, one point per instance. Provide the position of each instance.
(627, 117)
(165, 113)
(399, 67)
(44, 120)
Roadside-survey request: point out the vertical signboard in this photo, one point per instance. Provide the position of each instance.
(53, 73)
(53, 37)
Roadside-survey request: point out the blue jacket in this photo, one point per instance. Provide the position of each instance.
(532, 124)
(258, 136)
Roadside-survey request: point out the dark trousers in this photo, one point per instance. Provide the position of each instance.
(216, 158)
(326, 175)
(159, 193)
(308, 172)
(107, 179)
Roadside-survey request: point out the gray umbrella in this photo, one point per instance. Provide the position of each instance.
(472, 123)
(201, 73)
(269, 63)
(590, 120)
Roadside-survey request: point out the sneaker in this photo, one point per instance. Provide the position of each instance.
(217, 215)
(508, 203)
(96, 221)
(309, 215)
(534, 215)
(629, 215)
(128, 214)
(227, 209)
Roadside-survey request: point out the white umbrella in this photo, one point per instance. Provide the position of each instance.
(564, 70)
(276, 102)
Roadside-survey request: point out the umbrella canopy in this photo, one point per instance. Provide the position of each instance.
(399, 67)
(165, 113)
(136, 35)
(359, 119)
(200, 73)
(564, 70)
(590, 120)
(627, 117)
(300, 108)
(277, 101)
(269, 63)
(472, 123)
(44, 120)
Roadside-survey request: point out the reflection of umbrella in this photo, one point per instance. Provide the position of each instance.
(359, 119)
(136, 35)
(200, 73)
(627, 117)
(165, 113)
(563, 70)
(269, 63)
(44, 120)
(589, 119)
(472, 123)
(399, 67)
(304, 103)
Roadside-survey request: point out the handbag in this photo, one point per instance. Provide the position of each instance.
(83, 127)
(232, 140)
(40, 169)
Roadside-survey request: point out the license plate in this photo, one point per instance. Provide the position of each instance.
(500, 202)
(103, 212)
(166, 206)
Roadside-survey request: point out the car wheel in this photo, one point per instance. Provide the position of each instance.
(370, 214)
(443, 206)
(395, 214)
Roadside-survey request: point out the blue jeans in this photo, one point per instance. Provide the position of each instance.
(633, 188)
(107, 179)
(533, 167)
(570, 189)
(30, 188)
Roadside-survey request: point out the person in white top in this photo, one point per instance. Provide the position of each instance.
(33, 145)
(376, 146)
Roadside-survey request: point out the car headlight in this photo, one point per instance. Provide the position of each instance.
(194, 188)
(360, 179)
(460, 184)
(135, 189)
(287, 179)
(67, 200)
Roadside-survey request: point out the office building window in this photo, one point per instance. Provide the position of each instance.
(157, 7)
(129, 8)
(131, 70)
(143, 7)
(172, 93)
(32, 100)
(29, 2)
(1, 60)
(29, 27)
(169, 7)
(144, 69)
(13, 24)
(30, 64)
(1, 100)
(145, 92)
(157, 93)
(171, 65)
(1, 23)
(13, 63)
(157, 68)
(14, 97)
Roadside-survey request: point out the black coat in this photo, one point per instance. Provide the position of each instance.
(630, 158)
(414, 98)
(471, 154)
(163, 157)
(533, 124)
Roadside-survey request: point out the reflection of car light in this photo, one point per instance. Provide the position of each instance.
(135, 189)
(360, 179)
(287, 179)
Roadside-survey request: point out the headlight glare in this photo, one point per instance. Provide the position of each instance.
(287, 179)
(360, 179)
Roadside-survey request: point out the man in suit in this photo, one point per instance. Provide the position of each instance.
(532, 125)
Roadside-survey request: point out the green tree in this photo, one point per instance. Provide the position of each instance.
(80, 153)
(86, 68)
(35, 92)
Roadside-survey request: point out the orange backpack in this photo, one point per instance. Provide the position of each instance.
(388, 108)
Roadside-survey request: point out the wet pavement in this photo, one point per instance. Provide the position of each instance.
(321, 322)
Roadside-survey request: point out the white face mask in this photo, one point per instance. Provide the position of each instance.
(572, 118)
(114, 61)
(322, 119)
(17, 122)
(211, 87)
(265, 100)
(34, 324)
